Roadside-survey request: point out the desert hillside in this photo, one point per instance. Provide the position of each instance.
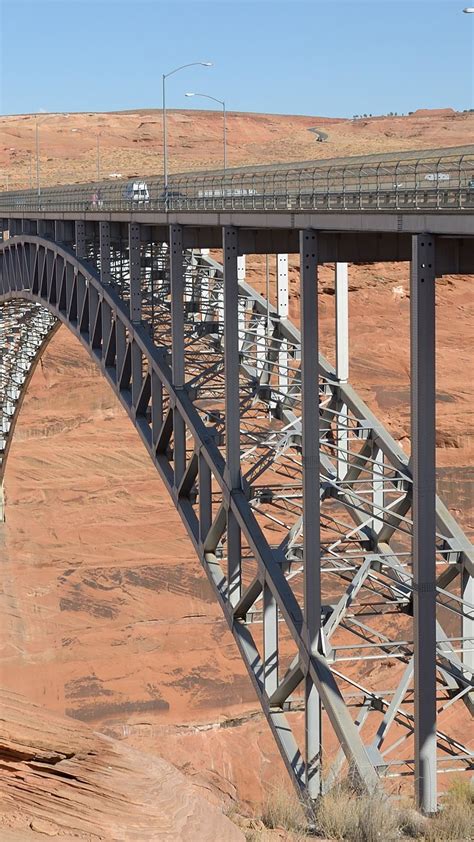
(131, 142)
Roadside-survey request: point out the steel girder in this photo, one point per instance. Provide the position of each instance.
(241, 489)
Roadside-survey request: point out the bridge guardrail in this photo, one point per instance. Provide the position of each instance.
(442, 182)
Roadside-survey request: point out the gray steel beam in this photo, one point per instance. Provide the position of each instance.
(104, 248)
(241, 267)
(135, 285)
(230, 245)
(311, 504)
(177, 344)
(80, 238)
(467, 593)
(342, 323)
(283, 310)
(270, 641)
(423, 430)
(342, 362)
(59, 235)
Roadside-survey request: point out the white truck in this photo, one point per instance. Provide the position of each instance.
(437, 176)
(136, 192)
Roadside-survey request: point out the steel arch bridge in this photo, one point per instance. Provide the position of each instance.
(324, 545)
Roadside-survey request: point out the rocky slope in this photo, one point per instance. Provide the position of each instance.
(60, 777)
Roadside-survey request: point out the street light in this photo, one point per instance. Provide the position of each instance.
(165, 150)
(469, 10)
(38, 188)
(222, 102)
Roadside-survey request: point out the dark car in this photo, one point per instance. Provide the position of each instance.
(171, 195)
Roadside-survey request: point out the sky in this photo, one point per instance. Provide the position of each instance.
(316, 57)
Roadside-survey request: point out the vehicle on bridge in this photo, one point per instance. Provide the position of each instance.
(437, 176)
(224, 192)
(170, 195)
(136, 192)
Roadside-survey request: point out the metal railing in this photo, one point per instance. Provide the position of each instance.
(411, 181)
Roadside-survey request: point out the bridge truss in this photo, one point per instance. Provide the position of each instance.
(324, 545)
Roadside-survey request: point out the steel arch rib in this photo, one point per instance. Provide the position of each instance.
(43, 272)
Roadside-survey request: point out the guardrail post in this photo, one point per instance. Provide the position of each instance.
(177, 344)
(423, 458)
(230, 244)
(134, 261)
(311, 484)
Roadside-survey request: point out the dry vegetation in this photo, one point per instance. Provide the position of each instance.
(344, 814)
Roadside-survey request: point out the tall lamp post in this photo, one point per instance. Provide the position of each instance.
(165, 149)
(221, 102)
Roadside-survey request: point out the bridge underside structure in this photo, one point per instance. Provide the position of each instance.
(327, 548)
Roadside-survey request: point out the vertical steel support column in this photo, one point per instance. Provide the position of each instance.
(342, 323)
(230, 245)
(311, 484)
(241, 267)
(58, 230)
(378, 496)
(282, 307)
(42, 230)
(467, 593)
(80, 236)
(342, 362)
(177, 344)
(134, 259)
(242, 304)
(423, 459)
(104, 247)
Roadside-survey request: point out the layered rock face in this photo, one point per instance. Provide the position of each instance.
(60, 777)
